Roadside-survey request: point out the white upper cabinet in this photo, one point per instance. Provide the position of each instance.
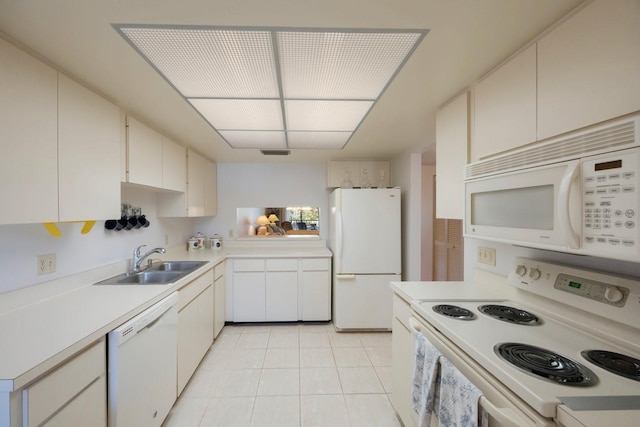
(61, 158)
(505, 107)
(452, 139)
(588, 67)
(144, 154)
(154, 160)
(28, 119)
(174, 166)
(89, 154)
(337, 172)
(202, 186)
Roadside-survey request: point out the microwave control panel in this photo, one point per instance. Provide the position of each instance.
(611, 202)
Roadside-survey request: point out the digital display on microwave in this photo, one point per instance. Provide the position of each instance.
(615, 164)
(575, 285)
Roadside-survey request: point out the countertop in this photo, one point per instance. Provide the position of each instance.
(42, 325)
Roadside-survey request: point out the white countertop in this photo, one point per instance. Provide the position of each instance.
(43, 325)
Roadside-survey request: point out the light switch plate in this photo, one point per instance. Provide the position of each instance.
(487, 255)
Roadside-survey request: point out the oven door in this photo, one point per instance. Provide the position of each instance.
(538, 207)
(502, 407)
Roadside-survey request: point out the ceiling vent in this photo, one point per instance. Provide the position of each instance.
(276, 88)
(276, 152)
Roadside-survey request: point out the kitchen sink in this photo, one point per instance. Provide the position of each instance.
(152, 277)
(163, 273)
(180, 266)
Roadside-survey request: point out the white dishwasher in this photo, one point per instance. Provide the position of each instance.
(142, 364)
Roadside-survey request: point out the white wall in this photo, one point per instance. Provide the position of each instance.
(426, 257)
(505, 255)
(246, 185)
(21, 244)
(406, 173)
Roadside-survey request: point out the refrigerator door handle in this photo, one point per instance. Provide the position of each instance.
(345, 276)
(338, 241)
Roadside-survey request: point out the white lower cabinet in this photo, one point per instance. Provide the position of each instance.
(73, 394)
(195, 325)
(218, 298)
(402, 362)
(315, 290)
(280, 289)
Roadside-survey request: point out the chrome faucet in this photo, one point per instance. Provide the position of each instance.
(137, 258)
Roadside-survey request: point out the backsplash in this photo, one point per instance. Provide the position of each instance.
(20, 245)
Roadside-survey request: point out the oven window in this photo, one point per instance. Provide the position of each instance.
(527, 207)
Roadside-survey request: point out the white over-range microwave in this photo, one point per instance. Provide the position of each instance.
(578, 193)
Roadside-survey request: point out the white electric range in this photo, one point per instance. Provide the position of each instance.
(574, 333)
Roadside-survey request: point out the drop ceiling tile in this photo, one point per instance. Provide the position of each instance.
(208, 62)
(255, 139)
(318, 140)
(341, 65)
(246, 114)
(325, 115)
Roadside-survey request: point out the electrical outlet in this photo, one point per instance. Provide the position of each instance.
(46, 264)
(487, 255)
(231, 233)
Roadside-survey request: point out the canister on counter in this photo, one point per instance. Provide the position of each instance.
(192, 244)
(216, 242)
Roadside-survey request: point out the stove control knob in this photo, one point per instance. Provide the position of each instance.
(535, 274)
(613, 294)
(521, 270)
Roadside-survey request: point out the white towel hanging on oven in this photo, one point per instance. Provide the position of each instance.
(458, 398)
(425, 376)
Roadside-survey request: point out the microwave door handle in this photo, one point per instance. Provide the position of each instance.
(564, 209)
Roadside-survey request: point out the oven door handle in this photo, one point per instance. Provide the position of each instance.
(415, 326)
(505, 416)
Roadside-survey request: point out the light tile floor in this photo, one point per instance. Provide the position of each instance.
(290, 375)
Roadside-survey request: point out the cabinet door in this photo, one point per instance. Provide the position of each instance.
(505, 107)
(89, 408)
(174, 166)
(282, 296)
(336, 172)
(210, 189)
(219, 314)
(187, 343)
(249, 297)
(88, 154)
(28, 123)
(452, 136)
(375, 170)
(402, 371)
(588, 67)
(144, 159)
(205, 321)
(195, 183)
(316, 295)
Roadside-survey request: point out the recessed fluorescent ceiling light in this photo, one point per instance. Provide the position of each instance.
(276, 88)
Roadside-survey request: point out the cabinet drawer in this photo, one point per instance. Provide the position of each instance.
(194, 288)
(401, 310)
(282, 264)
(315, 264)
(54, 391)
(218, 271)
(248, 265)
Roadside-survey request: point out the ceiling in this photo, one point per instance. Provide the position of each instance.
(466, 39)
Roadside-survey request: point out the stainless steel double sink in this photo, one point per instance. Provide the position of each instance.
(162, 273)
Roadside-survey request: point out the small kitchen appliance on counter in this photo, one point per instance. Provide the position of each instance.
(566, 345)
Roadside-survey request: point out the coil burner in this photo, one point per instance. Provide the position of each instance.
(546, 364)
(615, 363)
(510, 314)
(454, 312)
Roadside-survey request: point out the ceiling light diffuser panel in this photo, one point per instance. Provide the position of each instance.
(276, 87)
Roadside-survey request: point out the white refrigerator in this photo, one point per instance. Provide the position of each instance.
(365, 238)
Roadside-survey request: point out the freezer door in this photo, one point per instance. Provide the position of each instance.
(368, 232)
(363, 301)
